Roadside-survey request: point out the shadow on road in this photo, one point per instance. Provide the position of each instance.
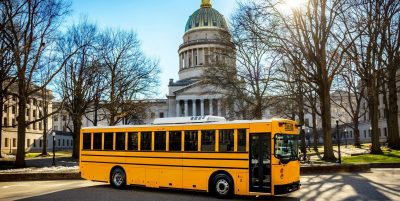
(345, 187)
(106, 192)
(363, 187)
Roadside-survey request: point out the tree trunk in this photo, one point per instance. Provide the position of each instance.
(20, 158)
(258, 111)
(303, 148)
(44, 149)
(315, 131)
(356, 134)
(96, 108)
(326, 124)
(392, 118)
(1, 119)
(373, 96)
(77, 121)
(112, 116)
(45, 112)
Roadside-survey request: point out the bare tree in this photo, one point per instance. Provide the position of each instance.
(369, 52)
(32, 27)
(81, 79)
(129, 73)
(391, 35)
(312, 99)
(349, 97)
(313, 30)
(293, 89)
(7, 70)
(46, 96)
(251, 80)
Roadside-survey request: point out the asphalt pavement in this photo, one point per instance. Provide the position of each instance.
(380, 184)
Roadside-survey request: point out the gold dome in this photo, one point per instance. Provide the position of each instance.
(206, 17)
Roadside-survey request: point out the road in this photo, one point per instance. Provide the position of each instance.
(381, 184)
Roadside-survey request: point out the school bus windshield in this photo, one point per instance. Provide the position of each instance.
(286, 147)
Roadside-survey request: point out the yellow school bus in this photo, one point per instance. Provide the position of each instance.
(205, 153)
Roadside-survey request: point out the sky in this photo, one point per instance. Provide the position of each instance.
(160, 25)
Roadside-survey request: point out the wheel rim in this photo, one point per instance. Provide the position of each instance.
(222, 187)
(118, 179)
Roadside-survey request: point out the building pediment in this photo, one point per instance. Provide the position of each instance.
(197, 88)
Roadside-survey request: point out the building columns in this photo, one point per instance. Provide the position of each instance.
(194, 107)
(186, 109)
(211, 107)
(202, 107)
(219, 107)
(178, 108)
(185, 112)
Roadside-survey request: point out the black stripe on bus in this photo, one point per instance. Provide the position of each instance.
(172, 152)
(141, 164)
(232, 159)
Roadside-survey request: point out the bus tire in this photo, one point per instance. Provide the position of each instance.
(222, 186)
(118, 178)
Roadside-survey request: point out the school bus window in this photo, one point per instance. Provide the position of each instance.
(208, 140)
(97, 141)
(145, 141)
(87, 140)
(133, 141)
(226, 140)
(241, 140)
(175, 138)
(191, 140)
(108, 141)
(120, 144)
(159, 141)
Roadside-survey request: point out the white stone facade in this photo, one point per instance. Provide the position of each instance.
(34, 132)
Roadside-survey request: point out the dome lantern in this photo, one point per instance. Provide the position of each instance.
(206, 4)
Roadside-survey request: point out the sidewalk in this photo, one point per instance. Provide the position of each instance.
(39, 164)
(40, 168)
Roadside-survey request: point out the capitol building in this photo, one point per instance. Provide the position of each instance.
(202, 48)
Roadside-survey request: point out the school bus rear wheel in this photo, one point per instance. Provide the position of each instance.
(118, 178)
(223, 186)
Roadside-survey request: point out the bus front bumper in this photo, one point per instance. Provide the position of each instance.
(287, 188)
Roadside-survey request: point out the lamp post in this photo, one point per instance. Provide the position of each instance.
(308, 139)
(370, 133)
(345, 137)
(54, 145)
(338, 141)
(302, 132)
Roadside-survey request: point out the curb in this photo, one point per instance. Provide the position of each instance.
(384, 165)
(335, 169)
(39, 176)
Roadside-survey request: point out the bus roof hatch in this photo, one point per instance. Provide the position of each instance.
(188, 120)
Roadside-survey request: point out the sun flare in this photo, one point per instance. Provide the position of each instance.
(294, 4)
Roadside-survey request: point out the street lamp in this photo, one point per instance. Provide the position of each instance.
(370, 133)
(345, 137)
(308, 139)
(338, 138)
(54, 145)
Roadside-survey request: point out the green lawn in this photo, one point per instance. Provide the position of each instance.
(388, 157)
(32, 155)
(50, 154)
